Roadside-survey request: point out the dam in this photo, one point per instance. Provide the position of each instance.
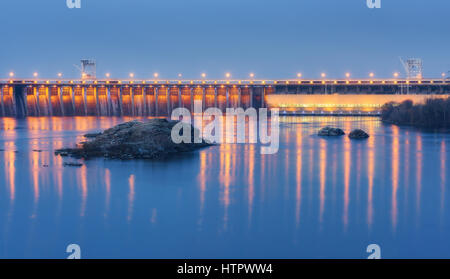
(22, 98)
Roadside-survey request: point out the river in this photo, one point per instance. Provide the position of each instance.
(315, 198)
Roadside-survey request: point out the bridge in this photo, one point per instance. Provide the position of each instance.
(110, 97)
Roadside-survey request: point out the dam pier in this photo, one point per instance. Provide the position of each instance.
(22, 98)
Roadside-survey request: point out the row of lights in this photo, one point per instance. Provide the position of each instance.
(227, 75)
(156, 75)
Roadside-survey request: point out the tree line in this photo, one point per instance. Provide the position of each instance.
(434, 113)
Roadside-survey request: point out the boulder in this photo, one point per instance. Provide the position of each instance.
(358, 134)
(330, 132)
(92, 135)
(134, 140)
(70, 164)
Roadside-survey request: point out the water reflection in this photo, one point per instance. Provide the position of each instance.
(347, 166)
(10, 158)
(225, 177)
(298, 190)
(9, 124)
(202, 179)
(419, 160)
(10, 179)
(323, 165)
(395, 167)
(317, 190)
(443, 175)
(108, 191)
(83, 182)
(251, 180)
(131, 196)
(407, 171)
(34, 169)
(370, 176)
(311, 171)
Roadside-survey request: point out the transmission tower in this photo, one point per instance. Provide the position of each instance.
(413, 67)
(88, 69)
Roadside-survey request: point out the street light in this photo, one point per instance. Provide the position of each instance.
(35, 74)
(396, 75)
(131, 75)
(227, 75)
(11, 74)
(107, 75)
(299, 75)
(371, 75)
(252, 75)
(156, 75)
(323, 75)
(59, 75)
(203, 75)
(180, 75)
(347, 75)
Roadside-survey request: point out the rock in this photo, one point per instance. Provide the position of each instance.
(133, 140)
(65, 164)
(62, 152)
(330, 132)
(92, 135)
(358, 134)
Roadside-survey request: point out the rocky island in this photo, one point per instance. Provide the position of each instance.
(330, 132)
(337, 132)
(133, 140)
(358, 134)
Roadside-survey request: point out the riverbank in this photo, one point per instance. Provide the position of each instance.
(433, 114)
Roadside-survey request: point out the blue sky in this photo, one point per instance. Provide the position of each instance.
(272, 38)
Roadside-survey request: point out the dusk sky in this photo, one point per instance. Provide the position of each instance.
(272, 38)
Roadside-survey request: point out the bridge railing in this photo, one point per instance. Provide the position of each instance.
(230, 82)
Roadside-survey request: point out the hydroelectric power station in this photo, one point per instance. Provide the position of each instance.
(110, 97)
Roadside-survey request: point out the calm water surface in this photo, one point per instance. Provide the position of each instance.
(315, 198)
